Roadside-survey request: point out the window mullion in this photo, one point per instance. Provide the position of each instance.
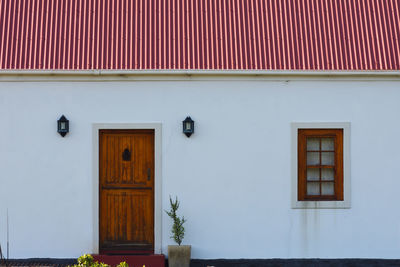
(320, 165)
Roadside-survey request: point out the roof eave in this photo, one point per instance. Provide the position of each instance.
(15, 75)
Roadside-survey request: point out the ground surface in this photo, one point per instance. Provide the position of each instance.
(296, 263)
(229, 263)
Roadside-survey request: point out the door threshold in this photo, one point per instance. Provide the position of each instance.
(125, 252)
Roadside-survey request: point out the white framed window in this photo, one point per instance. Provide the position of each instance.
(320, 165)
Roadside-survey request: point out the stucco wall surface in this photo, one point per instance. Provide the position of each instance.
(233, 176)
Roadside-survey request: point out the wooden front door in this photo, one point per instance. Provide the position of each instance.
(126, 191)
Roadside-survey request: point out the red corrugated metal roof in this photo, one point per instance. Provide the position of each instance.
(200, 34)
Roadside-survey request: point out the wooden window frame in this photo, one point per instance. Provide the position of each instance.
(314, 203)
(337, 135)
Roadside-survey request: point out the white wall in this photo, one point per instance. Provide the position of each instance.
(232, 176)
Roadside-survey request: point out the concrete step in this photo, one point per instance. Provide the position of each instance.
(152, 260)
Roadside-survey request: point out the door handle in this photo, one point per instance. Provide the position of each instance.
(148, 174)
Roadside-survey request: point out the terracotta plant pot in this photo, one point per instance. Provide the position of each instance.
(179, 256)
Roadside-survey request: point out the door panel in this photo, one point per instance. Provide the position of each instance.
(126, 190)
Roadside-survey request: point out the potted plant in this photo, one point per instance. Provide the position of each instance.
(178, 255)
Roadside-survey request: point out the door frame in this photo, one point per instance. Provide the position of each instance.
(157, 127)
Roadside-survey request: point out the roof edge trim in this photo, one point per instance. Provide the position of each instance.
(204, 72)
(130, 75)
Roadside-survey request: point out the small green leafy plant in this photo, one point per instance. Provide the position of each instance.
(87, 260)
(178, 231)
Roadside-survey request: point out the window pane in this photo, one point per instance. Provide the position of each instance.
(327, 144)
(327, 174)
(328, 158)
(312, 174)
(312, 143)
(327, 189)
(313, 188)
(312, 158)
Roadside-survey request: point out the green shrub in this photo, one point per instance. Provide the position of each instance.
(178, 231)
(87, 260)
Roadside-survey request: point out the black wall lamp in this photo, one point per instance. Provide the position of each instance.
(63, 126)
(188, 126)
